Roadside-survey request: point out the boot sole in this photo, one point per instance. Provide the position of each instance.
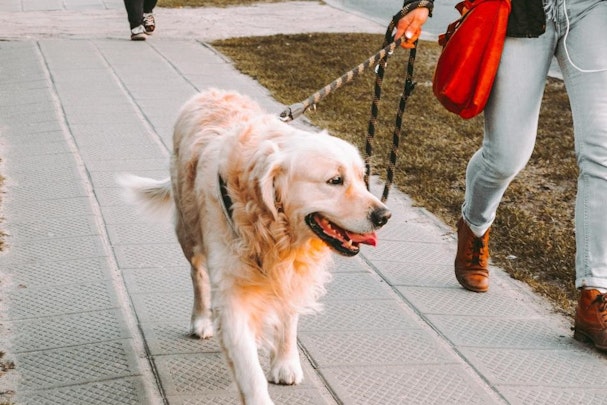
(584, 338)
(469, 287)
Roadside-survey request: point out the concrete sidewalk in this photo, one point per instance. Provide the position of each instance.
(96, 300)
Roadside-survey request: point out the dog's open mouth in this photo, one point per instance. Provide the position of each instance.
(344, 242)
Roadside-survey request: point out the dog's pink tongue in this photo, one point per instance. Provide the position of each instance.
(366, 238)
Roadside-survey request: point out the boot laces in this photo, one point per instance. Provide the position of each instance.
(477, 247)
(601, 301)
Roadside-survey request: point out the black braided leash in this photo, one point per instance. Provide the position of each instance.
(295, 110)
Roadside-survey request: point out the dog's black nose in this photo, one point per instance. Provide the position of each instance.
(380, 216)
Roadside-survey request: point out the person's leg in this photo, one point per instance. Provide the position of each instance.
(149, 5)
(149, 22)
(582, 55)
(134, 11)
(585, 74)
(511, 118)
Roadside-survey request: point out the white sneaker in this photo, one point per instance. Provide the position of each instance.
(138, 33)
(149, 23)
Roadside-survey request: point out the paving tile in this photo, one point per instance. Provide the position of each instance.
(56, 190)
(44, 250)
(349, 264)
(52, 228)
(66, 330)
(39, 149)
(40, 174)
(545, 368)
(202, 373)
(280, 396)
(164, 307)
(457, 301)
(398, 229)
(170, 338)
(427, 274)
(518, 395)
(357, 286)
(76, 365)
(379, 348)
(528, 333)
(128, 165)
(394, 385)
(358, 315)
(124, 391)
(59, 272)
(28, 303)
(24, 141)
(158, 280)
(182, 374)
(108, 152)
(122, 214)
(414, 252)
(60, 208)
(150, 232)
(146, 255)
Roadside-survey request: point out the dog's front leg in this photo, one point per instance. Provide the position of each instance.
(240, 347)
(201, 324)
(285, 362)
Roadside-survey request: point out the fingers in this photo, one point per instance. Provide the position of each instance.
(411, 26)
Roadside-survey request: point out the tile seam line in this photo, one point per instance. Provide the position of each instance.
(60, 386)
(164, 149)
(319, 374)
(174, 67)
(115, 276)
(486, 382)
(150, 130)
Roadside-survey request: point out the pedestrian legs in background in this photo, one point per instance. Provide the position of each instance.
(141, 18)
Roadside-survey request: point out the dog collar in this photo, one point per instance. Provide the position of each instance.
(226, 201)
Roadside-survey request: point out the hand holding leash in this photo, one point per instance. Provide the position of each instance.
(410, 26)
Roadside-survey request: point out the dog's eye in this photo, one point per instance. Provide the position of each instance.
(336, 181)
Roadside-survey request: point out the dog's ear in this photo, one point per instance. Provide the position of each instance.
(267, 167)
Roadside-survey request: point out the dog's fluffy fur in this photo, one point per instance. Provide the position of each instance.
(260, 262)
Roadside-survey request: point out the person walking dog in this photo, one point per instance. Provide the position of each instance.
(574, 32)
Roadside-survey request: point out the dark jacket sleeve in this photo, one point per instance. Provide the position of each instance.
(527, 19)
(429, 4)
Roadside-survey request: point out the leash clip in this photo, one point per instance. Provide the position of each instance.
(292, 112)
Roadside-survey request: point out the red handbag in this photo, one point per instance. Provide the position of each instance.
(472, 48)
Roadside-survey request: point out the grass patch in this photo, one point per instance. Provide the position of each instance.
(533, 236)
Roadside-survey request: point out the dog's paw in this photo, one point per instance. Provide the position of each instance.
(202, 328)
(286, 372)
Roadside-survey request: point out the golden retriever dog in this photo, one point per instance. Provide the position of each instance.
(258, 207)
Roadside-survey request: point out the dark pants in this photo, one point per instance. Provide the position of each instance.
(136, 8)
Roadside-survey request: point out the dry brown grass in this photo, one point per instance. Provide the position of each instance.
(532, 237)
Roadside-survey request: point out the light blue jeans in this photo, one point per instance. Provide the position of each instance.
(511, 119)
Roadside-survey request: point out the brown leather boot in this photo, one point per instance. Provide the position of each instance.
(472, 259)
(591, 318)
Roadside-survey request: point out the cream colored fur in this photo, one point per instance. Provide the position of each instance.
(255, 273)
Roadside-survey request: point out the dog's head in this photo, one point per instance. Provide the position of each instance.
(317, 182)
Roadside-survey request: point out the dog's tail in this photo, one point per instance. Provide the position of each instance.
(151, 197)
